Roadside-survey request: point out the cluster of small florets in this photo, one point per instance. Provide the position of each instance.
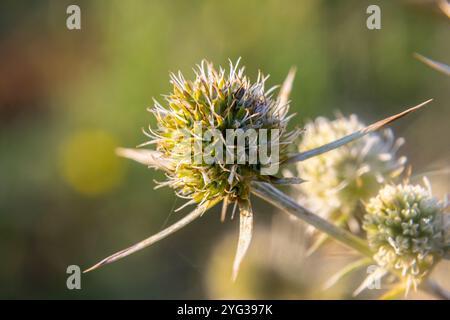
(406, 230)
(338, 180)
(216, 100)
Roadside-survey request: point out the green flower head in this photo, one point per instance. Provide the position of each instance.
(207, 111)
(406, 229)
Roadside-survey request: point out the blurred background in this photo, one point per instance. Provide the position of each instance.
(69, 97)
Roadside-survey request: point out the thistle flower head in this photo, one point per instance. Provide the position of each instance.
(406, 230)
(339, 179)
(217, 101)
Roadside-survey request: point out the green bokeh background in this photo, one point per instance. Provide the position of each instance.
(67, 98)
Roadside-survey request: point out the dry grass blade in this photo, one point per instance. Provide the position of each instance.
(354, 136)
(439, 66)
(155, 238)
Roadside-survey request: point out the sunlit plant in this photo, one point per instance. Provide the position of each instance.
(228, 100)
(408, 233)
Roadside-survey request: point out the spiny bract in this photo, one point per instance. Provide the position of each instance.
(215, 100)
(406, 228)
(339, 179)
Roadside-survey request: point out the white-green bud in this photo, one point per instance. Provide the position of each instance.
(406, 229)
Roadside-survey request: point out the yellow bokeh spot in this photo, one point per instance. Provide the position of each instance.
(88, 163)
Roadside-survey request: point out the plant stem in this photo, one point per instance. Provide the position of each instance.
(285, 203)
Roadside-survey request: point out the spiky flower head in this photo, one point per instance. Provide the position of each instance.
(407, 230)
(217, 101)
(339, 179)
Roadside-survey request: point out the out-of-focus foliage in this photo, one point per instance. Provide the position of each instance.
(67, 97)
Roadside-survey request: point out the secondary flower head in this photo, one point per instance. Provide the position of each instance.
(193, 133)
(339, 179)
(215, 135)
(407, 230)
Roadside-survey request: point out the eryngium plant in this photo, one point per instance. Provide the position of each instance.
(222, 101)
(407, 230)
(217, 101)
(338, 180)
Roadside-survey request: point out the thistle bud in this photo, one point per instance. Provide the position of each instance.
(193, 127)
(406, 230)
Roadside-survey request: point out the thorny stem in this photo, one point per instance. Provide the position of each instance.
(156, 237)
(280, 200)
(283, 202)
